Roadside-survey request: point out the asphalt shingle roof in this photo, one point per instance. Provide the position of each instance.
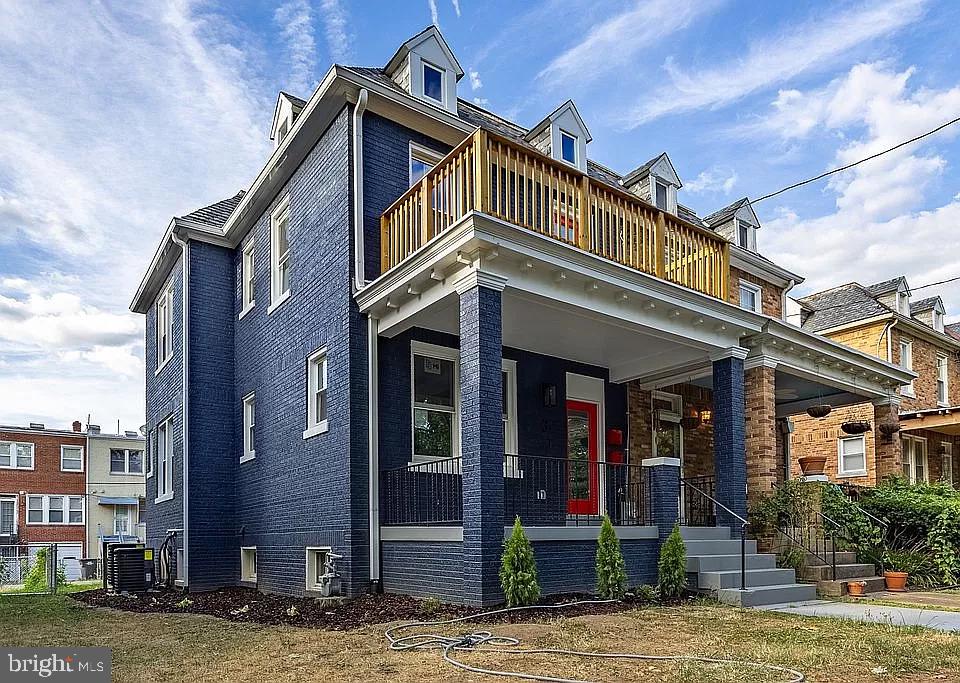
(216, 214)
(884, 287)
(923, 304)
(839, 306)
(952, 330)
(726, 213)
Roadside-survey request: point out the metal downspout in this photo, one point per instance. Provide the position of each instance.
(185, 408)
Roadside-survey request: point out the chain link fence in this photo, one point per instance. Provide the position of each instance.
(30, 570)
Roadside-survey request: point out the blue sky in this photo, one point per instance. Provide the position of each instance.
(116, 116)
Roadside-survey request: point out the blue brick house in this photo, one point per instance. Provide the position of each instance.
(422, 320)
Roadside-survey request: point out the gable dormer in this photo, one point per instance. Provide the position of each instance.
(563, 136)
(655, 182)
(426, 67)
(930, 312)
(894, 294)
(738, 223)
(287, 110)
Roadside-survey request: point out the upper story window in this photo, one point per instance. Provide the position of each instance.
(280, 253)
(165, 461)
(316, 394)
(937, 320)
(55, 509)
(568, 147)
(422, 160)
(943, 389)
(71, 458)
(126, 461)
(246, 279)
(906, 362)
(743, 234)
(164, 327)
(17, 456)
(432, 82)
(662, 195)
(903, 302)
(750, 297)
(282, 131)
(249, 428)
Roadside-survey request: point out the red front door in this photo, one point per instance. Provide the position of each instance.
(582, 467)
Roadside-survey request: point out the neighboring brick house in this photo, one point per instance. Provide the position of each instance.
(43, 490)
(422, 320)
(883, 320)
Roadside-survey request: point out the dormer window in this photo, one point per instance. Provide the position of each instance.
(568, 147)
(903, 302)
(662, 200)
(743, 235)
(937, 320)
(432, 83)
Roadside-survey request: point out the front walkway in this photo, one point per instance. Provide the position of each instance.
(896, 616)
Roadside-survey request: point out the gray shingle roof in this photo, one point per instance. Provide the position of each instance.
(953, 330)
(840, 306)
(923, 305)
(641, 170)
(884, 287)
(216, 214)
(726, 213)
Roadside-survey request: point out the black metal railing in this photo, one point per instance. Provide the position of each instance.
(808, 529)
(696, 509)
(422, 493)
(690, 488)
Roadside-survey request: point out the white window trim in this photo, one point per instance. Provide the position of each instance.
(841, 470)
(576, 149)
(249, 449)
(166, 298)
(315, 427)
(424, 65)
(937, 320)
(64, 447)
(673, 416)
(247, 284)
(671, 194)
(245, 574)
(16, 506)
(45, 507)
(946, 380)
(946, 462)
(13, 455)
(758, 296)
(312, 580)
(148, 453)
(167, 480)
(907, 389)
(510, 444)
(424, 155)
(278, 297)
(913, 461)
(126, 462)
(418, 348)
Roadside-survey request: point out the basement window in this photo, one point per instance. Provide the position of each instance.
(316, 567)
(248, 564)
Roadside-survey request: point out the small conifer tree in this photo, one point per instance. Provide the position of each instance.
(518, 569)
(672, 569)
(611, 569)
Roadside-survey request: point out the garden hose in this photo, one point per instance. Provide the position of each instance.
(486, 641)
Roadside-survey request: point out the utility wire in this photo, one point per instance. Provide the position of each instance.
(856, 163)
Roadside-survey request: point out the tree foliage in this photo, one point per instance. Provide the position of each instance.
(518, 569)
(611, 569)
(672, 568)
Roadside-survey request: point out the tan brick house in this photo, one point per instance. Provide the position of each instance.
(884, 320)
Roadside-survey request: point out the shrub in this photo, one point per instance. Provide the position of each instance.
(672, 568)
(611, 570)
(790, 557)
(646, 594)
(518, 569)
(917, 561)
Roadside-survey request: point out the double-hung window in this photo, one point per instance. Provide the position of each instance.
(750, 296)
(8, 516)
(165, 461)
(316, 394)
(743, 234)
(126, 461)
(249, 427)
(246, 278)
(432, 83)
(906, 362)
(280, 253)
(422, 160)
(915, 459)
(435, 402)
(42, 509)
(151, 453)
(852, 456)
(943, 389)
(16, 456)
(661, 195)
(71, 458)
(164, 327)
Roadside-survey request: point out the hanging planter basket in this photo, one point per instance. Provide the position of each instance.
(819, 411)
(855, 427)
(889, 428)
(690, 422)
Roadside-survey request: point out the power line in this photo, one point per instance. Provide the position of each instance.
(856, 163)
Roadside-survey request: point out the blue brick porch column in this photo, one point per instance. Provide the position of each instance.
(481, 435)
(729, 429)
(664, 474)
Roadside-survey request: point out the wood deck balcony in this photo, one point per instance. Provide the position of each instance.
(490, 174)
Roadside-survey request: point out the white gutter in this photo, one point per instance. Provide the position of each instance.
(359, 276)
(185, 408)
(784, 297)
(373, 456)
(887, 330)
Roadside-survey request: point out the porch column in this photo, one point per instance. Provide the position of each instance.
(763, 467)
(729, 450)
(664, 476)
(481, 435)
(888, 449)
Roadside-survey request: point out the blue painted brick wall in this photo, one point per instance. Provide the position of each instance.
(570, 566)
(729, 449)
(423, 569)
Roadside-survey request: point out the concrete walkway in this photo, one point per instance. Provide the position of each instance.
(881, 614)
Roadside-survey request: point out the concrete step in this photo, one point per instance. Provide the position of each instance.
(838, 588)
(754, 578)
(705, 533)
(823, 572)
(843, 557)
(768, 595)
(719, 547)
(719, 563)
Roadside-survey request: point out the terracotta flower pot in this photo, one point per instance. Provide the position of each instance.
(896, 581)
(856, 589)
(812, 464)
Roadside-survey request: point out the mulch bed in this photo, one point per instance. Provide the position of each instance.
(248, 605)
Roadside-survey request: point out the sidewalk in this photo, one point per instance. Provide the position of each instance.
(881, 614)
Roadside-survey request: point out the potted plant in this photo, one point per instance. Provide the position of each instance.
(856, 589)
(812, 465)
(896, 570)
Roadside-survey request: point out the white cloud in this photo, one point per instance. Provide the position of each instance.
(774, 59)
(295, 20)
(615, 42)
(456, 6)
(335, 20)
(713, 180)
(434, 14)
(475, 82)
(481, 101)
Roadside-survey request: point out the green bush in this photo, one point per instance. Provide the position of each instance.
(791, 557)
(611, 569)
(917, 561)
(672, 568)
(36, 579)
(518, 569)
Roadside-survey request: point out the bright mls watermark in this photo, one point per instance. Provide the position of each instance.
(82, 664)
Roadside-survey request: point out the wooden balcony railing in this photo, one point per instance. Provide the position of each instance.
(493, 175)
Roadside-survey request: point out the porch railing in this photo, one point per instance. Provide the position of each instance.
(515, 183)
(541, 491)
(697, 509)
(690, 488)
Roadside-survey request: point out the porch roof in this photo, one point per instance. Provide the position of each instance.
(945, 420)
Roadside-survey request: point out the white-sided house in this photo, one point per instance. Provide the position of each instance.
(116, 486)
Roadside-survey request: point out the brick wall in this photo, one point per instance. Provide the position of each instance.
(771, 300)
(925, 365)
(869, 338)
(812, 436)
(423, 569)
(697, 443)
(764, 468)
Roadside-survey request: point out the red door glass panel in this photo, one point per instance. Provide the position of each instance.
(582, 488)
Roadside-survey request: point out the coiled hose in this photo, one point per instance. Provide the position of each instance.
(486, 641)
